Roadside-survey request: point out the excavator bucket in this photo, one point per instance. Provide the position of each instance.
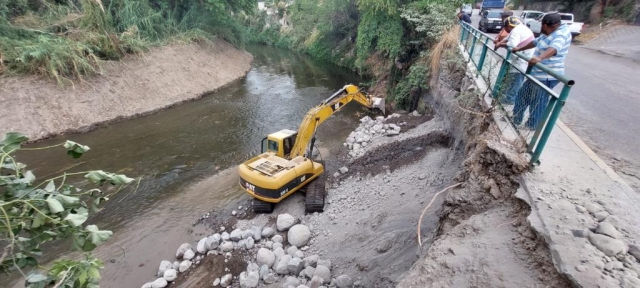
(378, 103)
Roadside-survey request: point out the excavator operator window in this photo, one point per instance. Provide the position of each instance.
(273, 146)
(287, 146)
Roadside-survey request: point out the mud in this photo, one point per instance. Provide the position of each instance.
(483, 238)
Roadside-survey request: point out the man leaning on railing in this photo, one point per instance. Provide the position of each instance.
(519, 35)
(551, 50)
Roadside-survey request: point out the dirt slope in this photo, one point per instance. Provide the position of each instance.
(162, 77)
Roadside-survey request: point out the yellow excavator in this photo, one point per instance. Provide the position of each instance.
(285, 165)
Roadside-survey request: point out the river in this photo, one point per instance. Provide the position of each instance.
(186, 157)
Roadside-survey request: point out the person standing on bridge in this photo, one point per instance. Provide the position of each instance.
(551, 50)
(464, 17)
(503, 33)
(519, 35)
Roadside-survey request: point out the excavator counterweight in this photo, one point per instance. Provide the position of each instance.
(285, 165)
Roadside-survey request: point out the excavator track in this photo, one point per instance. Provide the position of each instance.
(316, 192)
(260, 206)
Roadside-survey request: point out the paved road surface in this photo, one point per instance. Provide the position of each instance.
(604, 106)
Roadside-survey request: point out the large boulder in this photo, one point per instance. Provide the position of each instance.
(279, 253)
(270, 278)
(316, 282)
(291, 281)
(605, 228)
(226, 280)
(159, 283)
(225, 237)
(249, 279)
(202, 247)
(248, 243)
(295, 266)
(309, 271)
(282, 267)
(265, 257)
(246, 234)
(299, 235)
(607, 245)
(184, 266)
(267, 232)
(236, 235)
(212, 242)
(164, 266)
(284, 222)
(183, 248)
(170, 275)
(324, 273)
(257, 233)
(311, 261)
(277, 239)
(188, 255)
(344, 281)
(226, 246)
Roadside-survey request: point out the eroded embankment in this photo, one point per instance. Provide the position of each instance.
(163, 77)
(483, 237)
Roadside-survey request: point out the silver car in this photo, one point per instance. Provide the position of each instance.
(467, 9)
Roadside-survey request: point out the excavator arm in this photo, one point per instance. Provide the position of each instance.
(324, 110)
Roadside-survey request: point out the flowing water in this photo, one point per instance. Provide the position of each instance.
(187, 155)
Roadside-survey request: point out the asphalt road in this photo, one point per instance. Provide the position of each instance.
(604, 106)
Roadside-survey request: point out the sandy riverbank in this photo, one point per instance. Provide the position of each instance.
(161, 78)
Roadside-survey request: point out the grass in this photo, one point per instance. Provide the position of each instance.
(67, 44)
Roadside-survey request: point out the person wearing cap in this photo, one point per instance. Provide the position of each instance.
(503, 33)
(519, 36)
(551, 49)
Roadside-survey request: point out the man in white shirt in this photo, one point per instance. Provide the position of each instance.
(519, 36)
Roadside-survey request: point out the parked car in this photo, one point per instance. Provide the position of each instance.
(567, 18)
(467, 9)
(491, 4)
(527, 15)
(490, 21)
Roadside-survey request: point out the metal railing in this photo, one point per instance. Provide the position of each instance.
(530, 106)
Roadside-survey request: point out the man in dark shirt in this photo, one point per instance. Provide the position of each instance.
(464, 17)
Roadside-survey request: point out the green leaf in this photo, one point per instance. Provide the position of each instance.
(38, 220)
(51, 186)
(94, 273)
(82, 277)
(99, 177)
(54, 205)
(96, 236)
(11, 166)
(74, 149)
(27, 178)
(77, 219)
(12, 141)
(36, 277)
(67, 200)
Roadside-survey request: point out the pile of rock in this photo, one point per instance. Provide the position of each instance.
(619, 260)
(275, 260)
(368, 130)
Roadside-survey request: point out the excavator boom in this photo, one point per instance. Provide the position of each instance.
(328, 107)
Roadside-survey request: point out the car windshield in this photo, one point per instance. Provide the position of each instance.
(534, 15)
(566, 17)
(494, 14)
(467, 6)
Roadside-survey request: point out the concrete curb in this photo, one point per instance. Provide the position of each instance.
(570, 178)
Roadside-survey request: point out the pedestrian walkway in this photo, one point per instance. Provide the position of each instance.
(622, 41)
(586, 214)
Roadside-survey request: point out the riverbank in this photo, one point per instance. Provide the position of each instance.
(161, 78)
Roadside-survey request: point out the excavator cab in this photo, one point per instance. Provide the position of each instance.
(280, 143)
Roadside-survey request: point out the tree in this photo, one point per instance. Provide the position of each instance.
(36, 212)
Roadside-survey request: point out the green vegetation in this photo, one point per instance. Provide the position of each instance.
(33, 213)
(66, 40)
(378, 38)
